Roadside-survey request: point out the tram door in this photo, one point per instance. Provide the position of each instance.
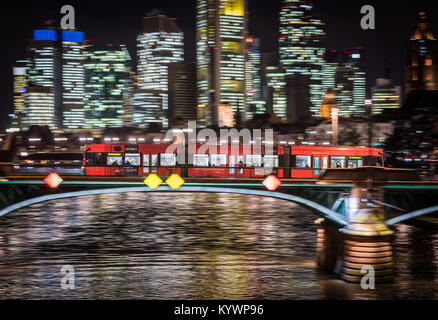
(232, 164)
(150, 163)
(146, 158)
(154, 163)
(240, 165)
(320, 163)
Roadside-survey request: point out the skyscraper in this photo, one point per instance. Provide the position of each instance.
(422, 68)
(182, 93)
(276, 87)
(107, 85)
(55, 62)
(20, 74)
(40, 107)
(351, 83)
(253, 64)
(385, 95)
(253, 78)
(329, 68)
(301, 48)
(221, 33)
(161, 43)
(44, 99)
(73, 79)
(298, 98)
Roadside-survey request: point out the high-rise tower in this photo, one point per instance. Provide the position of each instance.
(43, 97)
(55, 76)
(301, 48)
(422, 69)
(351, 83)
(160, 44)
(221, 32)
(107, 85)
(182, 93)
(21, 79)
(331, 64)
(73, 78)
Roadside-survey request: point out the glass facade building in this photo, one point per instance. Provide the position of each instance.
(276, 86)
(20, 74)
(221, 34)
(161, 43)
(253, 69)
(253, 78)
(40, 107)
(301, 48)
(329, 68)
(73, 79)
(55, 62)
(182, 93)
(43, 98)
(107, 85)
(385, 96)
(351, 84)
(148, 108)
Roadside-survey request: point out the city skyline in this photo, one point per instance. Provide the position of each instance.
(374, 70)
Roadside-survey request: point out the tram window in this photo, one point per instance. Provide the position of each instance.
(324, 162)
(95, 159)
(271, 161)
(303, 161)
(146, 163)
(379, 161)
(338, 162)
(114, 160)
(168, 159)
(146, 160)
(218, 160)
(154, 160)
(253, 160)
(373, 161)
(132, 159)
(200, 160)
(89, 159)
(354, 162)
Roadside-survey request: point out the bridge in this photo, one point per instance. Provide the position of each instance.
(357, 208)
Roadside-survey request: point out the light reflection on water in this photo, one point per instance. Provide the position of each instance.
(190, 246)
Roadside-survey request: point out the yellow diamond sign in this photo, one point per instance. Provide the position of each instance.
(175, 181)
(153, 181)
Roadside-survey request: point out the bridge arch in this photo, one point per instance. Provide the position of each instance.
(313, 206)
(411, 215)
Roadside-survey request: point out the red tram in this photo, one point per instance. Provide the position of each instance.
(285, 162)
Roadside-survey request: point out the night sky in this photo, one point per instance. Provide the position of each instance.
(119, 22)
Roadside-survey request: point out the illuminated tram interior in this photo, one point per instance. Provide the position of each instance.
(213, 161)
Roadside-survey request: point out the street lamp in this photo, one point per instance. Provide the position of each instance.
(369, 109)
(335, 124)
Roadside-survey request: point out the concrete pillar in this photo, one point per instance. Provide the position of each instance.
(321, 244)
(366, 241)
(367, 251)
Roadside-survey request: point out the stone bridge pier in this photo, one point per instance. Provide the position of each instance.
(347, 252)
(365, 243)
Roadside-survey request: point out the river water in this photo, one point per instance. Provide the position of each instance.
(189, 246)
